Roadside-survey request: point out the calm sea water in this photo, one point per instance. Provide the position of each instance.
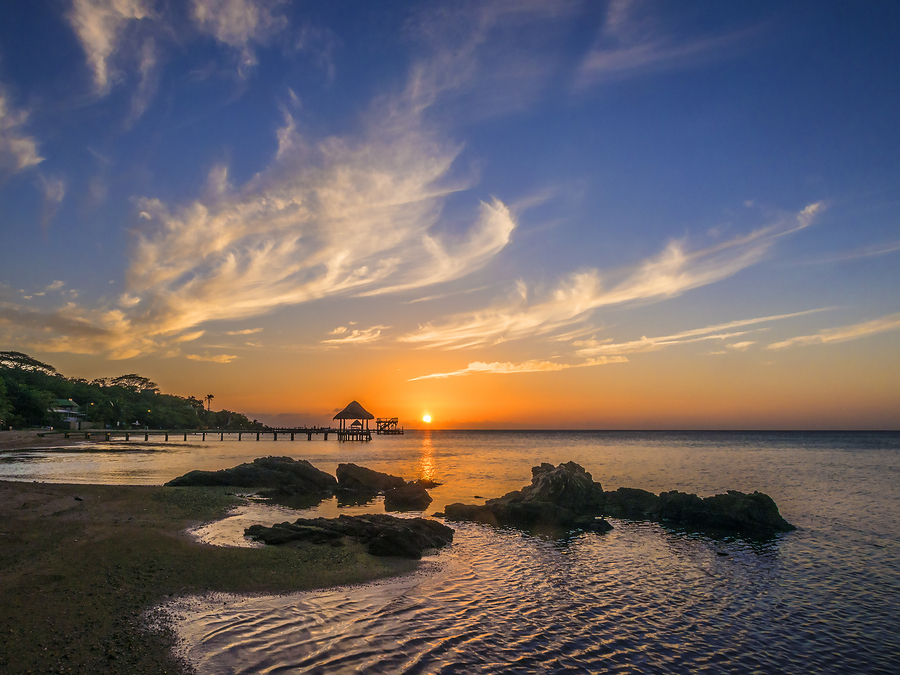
(641, 598)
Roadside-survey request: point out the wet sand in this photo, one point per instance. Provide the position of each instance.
(22, 440)
(80, 565)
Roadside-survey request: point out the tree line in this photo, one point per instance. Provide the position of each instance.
(29, 390)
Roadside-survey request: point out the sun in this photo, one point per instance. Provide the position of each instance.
(426, 419)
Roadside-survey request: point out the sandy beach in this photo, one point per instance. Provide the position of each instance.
(20, 440)
(82, 564)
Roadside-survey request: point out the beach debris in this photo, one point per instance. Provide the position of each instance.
(382, 535)
(559, 499)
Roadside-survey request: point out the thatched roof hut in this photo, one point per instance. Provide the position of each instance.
(354, 411)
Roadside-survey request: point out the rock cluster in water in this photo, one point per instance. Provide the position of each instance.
(559, 499)
(298, 483)
(399, 495)
(293, 476)
(754, 514)
(566, 497)
(382, 535)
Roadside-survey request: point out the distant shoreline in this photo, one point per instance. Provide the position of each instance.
(81, 564)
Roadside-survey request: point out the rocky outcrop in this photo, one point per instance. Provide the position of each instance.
(754, 515)
(410, 497)
(361, 479)
(566, 497)
(381, 534)
(559, 499)
(631, 503)
(286, 475)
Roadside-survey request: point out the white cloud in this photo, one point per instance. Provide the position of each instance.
(246, 331)
(633, 42)
(339, 217)
(355, 336)
(740, 346)
(721, 331)
(188, 337)
(669, 274)
(842, 334)
(17, 149)
(855, 254)
(56, 285)
(54, 190)
(218, 358)
(507, 368)
(239, 24)
(99, 24)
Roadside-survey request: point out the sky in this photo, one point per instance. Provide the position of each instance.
(520, 214)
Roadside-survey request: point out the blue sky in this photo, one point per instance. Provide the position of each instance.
(544, 193)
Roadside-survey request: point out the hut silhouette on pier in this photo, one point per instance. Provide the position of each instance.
(354, 431)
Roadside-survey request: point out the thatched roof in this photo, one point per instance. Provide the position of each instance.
(354, 411)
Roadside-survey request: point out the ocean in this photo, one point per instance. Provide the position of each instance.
(639, 599)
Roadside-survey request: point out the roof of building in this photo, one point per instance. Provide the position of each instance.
(354, 411)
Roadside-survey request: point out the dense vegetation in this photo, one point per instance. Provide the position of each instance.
(29, 390)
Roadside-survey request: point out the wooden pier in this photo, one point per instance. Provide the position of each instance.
(388, 426)
(357, 430)
(287, 433)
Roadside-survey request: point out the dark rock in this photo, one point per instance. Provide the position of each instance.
(288, 475)
(425, 483)
(361, 479)
(410, 497)
(559, 499)
(567, 485)
(382, 535)
(754, 515)
(631, 503)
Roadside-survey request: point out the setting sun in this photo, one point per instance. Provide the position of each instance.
(426, 419)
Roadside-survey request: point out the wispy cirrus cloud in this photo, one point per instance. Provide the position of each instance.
(356, 215)
(240, 24)
(595, 352)
(842, 334)
(356, 336)
(633, 42)
(215, 358)
(855, 254)
(246, 331)
(99, 25)
(721, 331)
(534, 366)
(671, 273)
(18, 150)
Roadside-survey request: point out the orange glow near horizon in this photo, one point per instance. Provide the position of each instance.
(426, 418)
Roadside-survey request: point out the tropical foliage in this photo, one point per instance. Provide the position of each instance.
(29, 390)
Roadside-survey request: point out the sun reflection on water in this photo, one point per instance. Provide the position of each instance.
(427, 468)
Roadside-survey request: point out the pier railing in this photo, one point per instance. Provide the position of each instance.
(284, 433)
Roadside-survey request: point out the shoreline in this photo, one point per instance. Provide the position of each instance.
(30, 440)
(81, 565)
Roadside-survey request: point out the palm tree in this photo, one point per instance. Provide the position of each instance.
(209, 398)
